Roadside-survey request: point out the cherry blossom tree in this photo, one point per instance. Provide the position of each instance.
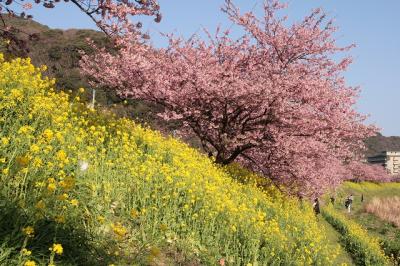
(274, 99)
(359, 171)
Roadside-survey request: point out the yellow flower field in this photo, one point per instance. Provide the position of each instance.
(78, 187)
(365, 249)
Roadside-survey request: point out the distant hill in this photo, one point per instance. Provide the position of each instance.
(379, 143)
(59, 51)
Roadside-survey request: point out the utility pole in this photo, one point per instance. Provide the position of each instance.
(91, 105)
(93, 97)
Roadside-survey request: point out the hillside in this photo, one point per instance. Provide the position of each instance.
(81, 187)
(59, 51)
(379, 143)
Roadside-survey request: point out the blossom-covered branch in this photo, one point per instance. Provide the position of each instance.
(273, 99)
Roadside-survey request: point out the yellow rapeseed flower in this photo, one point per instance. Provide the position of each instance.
(59, 219)
(57, 249)
(28, 231)
(51, 187)
(134, 213)
(26, 252)
(25, 130)
(5, 171)
(100, 219)
(119, 229)
(63, 196)
(5, 141)
(61, 156)
(74, 202)
(40, 205)
(17, 95)
(48, 134)
(68, 183)
(30, 263)
(22, 160)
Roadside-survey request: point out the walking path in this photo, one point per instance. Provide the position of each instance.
(333, 237)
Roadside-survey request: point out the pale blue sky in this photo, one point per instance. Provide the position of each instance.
(374, 26)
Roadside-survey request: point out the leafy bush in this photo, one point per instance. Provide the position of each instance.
(364, 249)
(98, 190)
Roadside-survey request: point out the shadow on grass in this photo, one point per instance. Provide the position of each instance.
(79, 249)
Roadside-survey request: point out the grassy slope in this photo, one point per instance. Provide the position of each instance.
(55, 46)
(143, 199)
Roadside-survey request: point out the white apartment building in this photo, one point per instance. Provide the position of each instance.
(389, 159)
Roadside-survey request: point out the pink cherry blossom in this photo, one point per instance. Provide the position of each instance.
(27, 6)
(359, 171)
(274, 100)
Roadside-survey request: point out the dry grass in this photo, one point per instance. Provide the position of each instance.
(387, 209)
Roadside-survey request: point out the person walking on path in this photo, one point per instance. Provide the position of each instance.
(332, 198)
(349, 202)
(316, 207)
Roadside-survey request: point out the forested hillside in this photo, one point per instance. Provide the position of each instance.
(59, 51)
(380, 143)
